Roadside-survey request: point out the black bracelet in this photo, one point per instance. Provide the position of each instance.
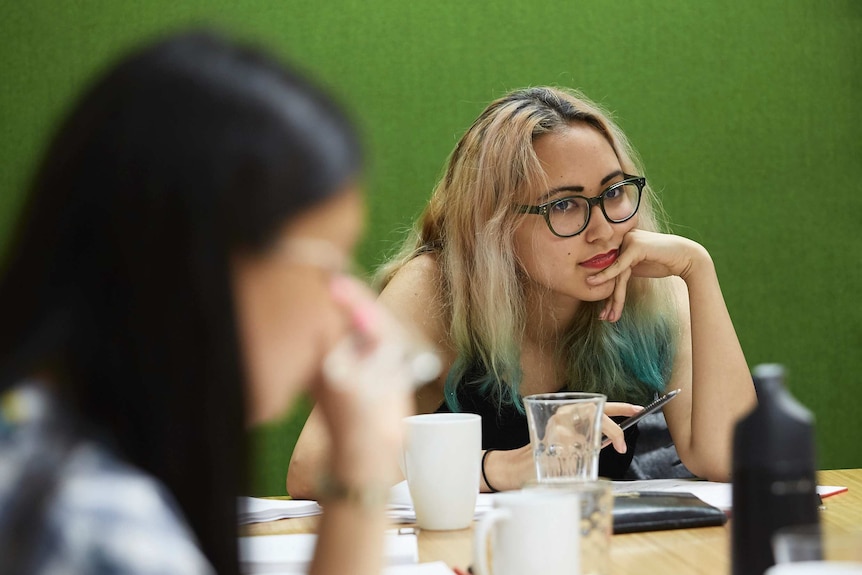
(485, 477)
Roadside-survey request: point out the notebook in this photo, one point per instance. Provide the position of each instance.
(660, 510)
(657, 504)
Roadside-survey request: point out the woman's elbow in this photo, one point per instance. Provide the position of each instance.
(720, 473)
(708, 467)
(300, 482)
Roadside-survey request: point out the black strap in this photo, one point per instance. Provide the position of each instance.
(484, 476)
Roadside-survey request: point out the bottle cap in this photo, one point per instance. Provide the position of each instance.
(779, 432)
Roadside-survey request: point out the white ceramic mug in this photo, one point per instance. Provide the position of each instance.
(597, 521)
(532, 532)
(442, 455)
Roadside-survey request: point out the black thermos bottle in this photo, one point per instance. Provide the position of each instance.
(774, 481)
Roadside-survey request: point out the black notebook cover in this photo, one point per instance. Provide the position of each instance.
(659, 510)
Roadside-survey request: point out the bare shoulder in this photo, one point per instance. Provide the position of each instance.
(416, 285)
(423, 267)
(415, 295)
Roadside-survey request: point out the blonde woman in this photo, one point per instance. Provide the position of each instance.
(539, 265)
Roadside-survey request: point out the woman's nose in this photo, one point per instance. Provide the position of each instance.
(598, 228)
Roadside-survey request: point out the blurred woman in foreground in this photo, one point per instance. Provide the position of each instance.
(178, 274)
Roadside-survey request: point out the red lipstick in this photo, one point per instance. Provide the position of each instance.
(601, 261)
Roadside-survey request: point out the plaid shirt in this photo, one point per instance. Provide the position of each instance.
(104, 516)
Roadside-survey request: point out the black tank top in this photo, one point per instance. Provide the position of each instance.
(506, 428)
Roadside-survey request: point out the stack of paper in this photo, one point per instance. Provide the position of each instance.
(400, 507)
(257, 510)
(292, 554)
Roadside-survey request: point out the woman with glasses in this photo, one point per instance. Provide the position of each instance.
(177, 275)
(540, 265)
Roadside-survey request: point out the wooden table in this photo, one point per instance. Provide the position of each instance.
(705, 550)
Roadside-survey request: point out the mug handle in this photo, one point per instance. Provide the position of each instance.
(480, 538)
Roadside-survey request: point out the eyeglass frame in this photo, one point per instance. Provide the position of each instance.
(544, 211)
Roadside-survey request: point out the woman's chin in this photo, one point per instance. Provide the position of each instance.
(598, 293)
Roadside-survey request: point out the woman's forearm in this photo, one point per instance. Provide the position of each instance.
(507, 469)
(350, 538)
(721, 385)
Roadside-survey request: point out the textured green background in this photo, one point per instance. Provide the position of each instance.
(746, 113)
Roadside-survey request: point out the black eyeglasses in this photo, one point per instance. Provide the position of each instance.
(569, 216)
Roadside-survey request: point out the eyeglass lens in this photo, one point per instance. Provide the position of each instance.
(569, 215)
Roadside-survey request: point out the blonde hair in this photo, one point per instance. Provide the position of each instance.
(469, 225)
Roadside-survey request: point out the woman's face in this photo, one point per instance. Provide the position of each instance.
(581, 160)
(286, 317)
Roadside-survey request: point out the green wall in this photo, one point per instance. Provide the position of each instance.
(746, 113)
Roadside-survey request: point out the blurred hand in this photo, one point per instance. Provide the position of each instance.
(366, 388)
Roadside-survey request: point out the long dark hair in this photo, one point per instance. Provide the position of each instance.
(116, 283)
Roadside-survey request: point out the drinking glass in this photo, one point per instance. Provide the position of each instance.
(565, 434)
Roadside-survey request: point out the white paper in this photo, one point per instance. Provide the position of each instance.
(716, 494)
(400, 507)
(293, 553)
(257, 510)
(435, 568)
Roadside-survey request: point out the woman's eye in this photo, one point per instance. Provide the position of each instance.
(614, 193)
(565, 206)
